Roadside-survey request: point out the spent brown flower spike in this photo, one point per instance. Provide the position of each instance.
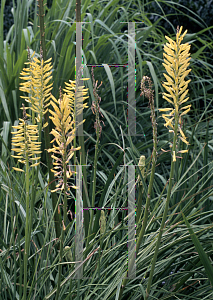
(149, 94)
(96, 107)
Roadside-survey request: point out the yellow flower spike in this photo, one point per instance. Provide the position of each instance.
(176, 61)
(64, 134)
(70, 90)
(25, 141)
(37, 77)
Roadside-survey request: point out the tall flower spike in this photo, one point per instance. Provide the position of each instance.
(64, 134)
(37, 77)
(96, 107)
(70, 90)
(149, 93)
(25, 141)
(176, 61)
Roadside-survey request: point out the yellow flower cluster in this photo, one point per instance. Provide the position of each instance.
(63, 118)
(176, 61)
(64, 133)
(26, 143)
(37, 77)
(70, 88)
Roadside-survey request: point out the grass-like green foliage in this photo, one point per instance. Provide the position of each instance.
(181, 269)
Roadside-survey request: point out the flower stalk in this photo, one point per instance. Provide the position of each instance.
(25, 141)
(176, 61)
(98, 128)
(77, 95)
(148, 93)
(36, 84)
(140, 194)
(63, 151)
(102, 224)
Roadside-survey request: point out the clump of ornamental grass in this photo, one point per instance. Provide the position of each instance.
(176, 62)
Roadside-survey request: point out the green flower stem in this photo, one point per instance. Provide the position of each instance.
(78, 19)
(34, 183)
(176, 61)
(165, 210)
(57, 217)
(145, 218)
(64, 220)
(149, 94)
(93, 189)
(65, 186)
(42, 28)
(74, 140)
(99, 254)
(25, 144)
(60, 264)
(13, 226)
(140, 196)
(27, 237)
(42, 250)
(83, 162)
(81, 144)
(102, 224)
